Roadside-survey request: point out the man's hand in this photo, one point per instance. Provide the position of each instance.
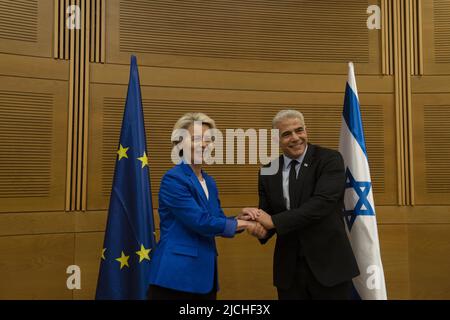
(265, 219)
(257, 231)
(248, 214)
(255, 214)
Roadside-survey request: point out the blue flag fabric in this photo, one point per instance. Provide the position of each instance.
(129, 236)
(359, 213)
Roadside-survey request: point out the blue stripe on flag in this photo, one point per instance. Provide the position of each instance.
(352, 117)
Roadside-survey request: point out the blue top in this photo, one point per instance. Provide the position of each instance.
(185, 257)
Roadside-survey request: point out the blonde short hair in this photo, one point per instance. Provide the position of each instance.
(188, 119)
(287, 114)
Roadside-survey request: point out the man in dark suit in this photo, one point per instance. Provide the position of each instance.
(302, 203)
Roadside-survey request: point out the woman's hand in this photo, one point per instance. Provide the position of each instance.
(249, 214)
(244, 224)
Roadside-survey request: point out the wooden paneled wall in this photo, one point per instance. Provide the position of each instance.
(62, 95)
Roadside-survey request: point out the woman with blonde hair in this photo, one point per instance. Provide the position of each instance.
(184, 262)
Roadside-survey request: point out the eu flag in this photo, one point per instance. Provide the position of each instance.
(129, 236)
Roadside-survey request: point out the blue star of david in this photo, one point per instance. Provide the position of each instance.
(362, 206)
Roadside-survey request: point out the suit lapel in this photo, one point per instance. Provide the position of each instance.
(277, 181)
(194, 180)
(211, 202)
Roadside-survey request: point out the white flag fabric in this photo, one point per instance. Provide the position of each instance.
(359, 210)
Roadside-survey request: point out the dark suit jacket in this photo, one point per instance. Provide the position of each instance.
(314, 225)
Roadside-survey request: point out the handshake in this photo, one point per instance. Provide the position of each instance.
(256, 221)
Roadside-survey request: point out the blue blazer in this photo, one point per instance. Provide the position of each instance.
(185, 257)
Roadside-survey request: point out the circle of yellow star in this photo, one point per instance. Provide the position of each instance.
(122, 152)
(123, 260)
(103, 254)
(144, 160)
(143, 253)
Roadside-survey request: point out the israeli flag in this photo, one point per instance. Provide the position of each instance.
(359, 213)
